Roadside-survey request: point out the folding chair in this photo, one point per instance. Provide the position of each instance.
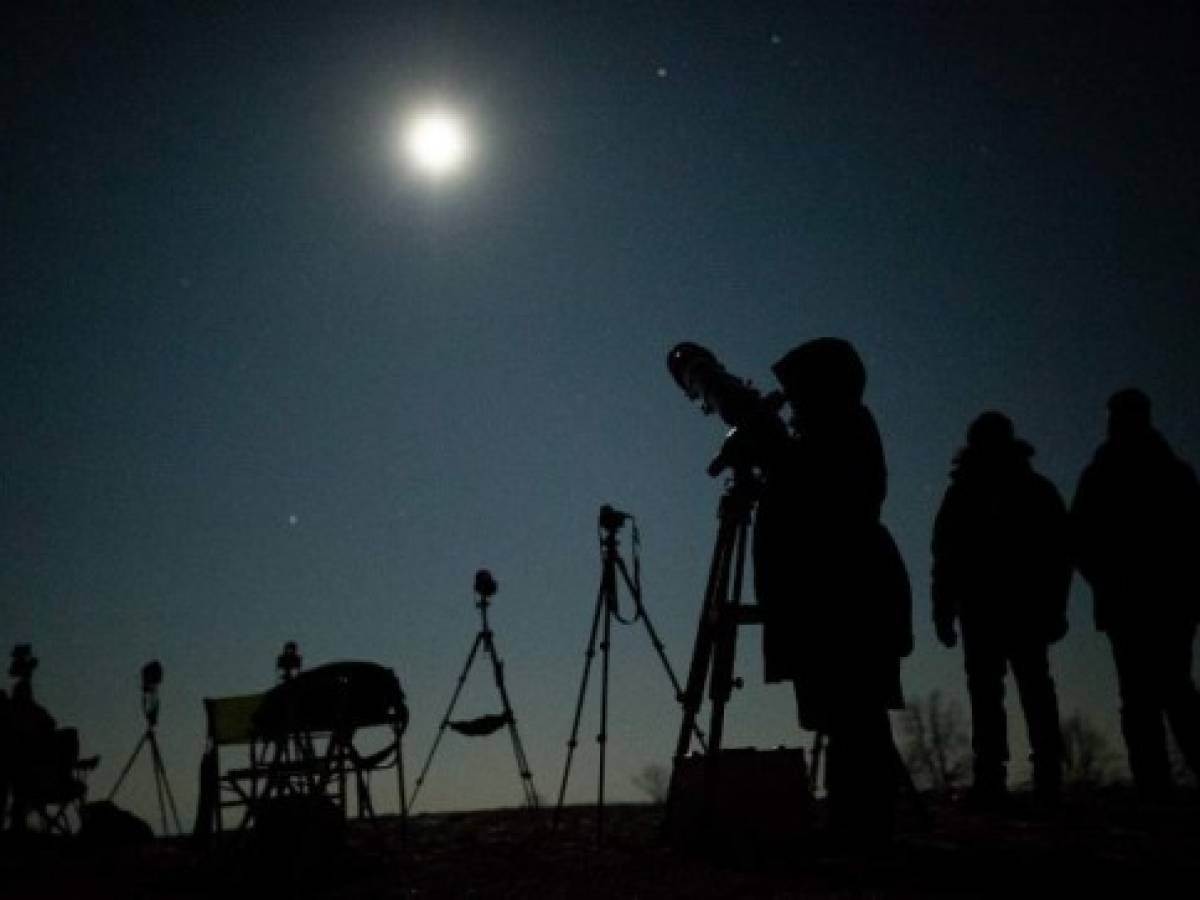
(306, 728)
(298, 739)
(230, 725)
(49, 782)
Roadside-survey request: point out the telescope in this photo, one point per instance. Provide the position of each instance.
(755, 427)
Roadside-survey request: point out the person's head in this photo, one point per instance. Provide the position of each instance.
(992, 440)
(821, 375)
(991, 431)
(23, 662)
(1128, 413)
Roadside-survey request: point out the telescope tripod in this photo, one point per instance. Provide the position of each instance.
(721, 613)
(486, 724)
(161, 786)
(607, 609)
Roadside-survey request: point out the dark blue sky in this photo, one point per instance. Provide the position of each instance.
(260, 384)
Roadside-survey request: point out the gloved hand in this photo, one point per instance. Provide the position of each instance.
(946, 633)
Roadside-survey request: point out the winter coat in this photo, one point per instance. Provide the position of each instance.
(1001, 557)
(1135, 524)
(828, 576)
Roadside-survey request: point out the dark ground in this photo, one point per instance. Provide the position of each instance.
(1099, 843)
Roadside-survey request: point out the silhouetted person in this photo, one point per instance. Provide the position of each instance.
(1136, 523)
(831, 584)
(40, 756)
(27, 733)
(1002, 569)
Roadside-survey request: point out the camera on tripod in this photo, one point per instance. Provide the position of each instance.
(612, 520)
(23, 661)
(755, 426)
(152, 676)
(485, 585)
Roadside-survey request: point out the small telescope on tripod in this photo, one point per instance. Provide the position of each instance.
(482, 726)
(152, 677)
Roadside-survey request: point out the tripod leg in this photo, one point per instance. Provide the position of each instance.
(721, 684)
(602, 737)
(158, 790)
(715, 635)
(129, 765)
(531, 797)
(399, 736)
(718, 578)
(573, 741)
(445, 719)
(161, 771)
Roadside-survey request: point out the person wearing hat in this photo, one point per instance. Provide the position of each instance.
(1002, 571)
(831, 584)
(1136, 529)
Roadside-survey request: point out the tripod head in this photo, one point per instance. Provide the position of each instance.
(609, 522)
(152, 676)
(289, 661)
(485, 587)
(612, 520)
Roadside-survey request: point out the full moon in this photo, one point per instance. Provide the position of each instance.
(436, 143)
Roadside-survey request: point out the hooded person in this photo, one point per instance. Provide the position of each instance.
(1136, 533)
(831, 583)
(1002, 572)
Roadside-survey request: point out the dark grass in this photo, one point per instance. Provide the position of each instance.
(1097, 843)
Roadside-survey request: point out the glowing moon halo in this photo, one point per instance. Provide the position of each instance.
(436, 143)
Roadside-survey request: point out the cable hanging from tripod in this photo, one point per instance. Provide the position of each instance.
(609, 534)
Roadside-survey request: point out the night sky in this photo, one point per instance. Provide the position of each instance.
(261, 382)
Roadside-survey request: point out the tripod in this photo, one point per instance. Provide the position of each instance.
(485, 587)
(161, 785)
(610, 523)
(721, 613)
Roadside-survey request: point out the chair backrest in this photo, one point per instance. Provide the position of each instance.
(231, 719)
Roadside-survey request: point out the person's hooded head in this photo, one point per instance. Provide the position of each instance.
(821, 376)
(992, 440)
(1129, 414)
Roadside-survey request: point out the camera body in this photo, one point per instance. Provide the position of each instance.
(152, 676)
(610, 519)
(485, 584)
